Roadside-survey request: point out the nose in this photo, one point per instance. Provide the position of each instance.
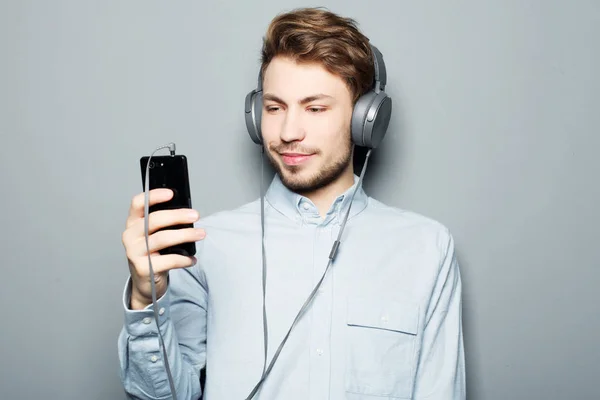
(292, 129)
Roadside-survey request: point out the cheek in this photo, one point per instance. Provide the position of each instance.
(329, 131)
(270, 126)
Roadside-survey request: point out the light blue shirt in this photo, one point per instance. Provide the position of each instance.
(386, 323)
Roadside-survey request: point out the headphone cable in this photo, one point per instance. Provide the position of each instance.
(264, 258)
(171, 147)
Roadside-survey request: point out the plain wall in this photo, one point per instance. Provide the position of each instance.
(494, 133)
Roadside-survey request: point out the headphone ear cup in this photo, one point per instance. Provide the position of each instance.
(253, 114)
(359, 116)
(370, 119)
(378, 120)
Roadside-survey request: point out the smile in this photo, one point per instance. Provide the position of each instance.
(295, 158)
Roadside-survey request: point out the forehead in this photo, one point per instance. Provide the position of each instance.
(291, 80)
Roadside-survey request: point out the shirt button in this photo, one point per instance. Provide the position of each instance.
(153, 359)
(385, 319)
(320, 352)
(161, 311)
(321, 290)
(305, 206)
(147, 320)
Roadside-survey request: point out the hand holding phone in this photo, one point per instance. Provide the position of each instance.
(172, 235)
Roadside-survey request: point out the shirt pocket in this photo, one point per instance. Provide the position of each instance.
(381, 347)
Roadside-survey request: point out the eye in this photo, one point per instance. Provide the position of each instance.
(272, 109)
(315, 110)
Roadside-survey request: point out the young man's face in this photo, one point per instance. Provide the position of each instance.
(306, 124)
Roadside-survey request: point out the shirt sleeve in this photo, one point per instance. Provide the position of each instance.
(441, 368)
(182, 322)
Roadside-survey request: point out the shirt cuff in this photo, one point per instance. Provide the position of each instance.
(142, 322)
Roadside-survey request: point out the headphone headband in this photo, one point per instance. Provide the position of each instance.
(260, 79)
(380, 71)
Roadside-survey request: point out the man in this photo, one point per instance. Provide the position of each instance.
(386, 320)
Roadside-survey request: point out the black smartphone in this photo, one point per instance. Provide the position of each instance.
(170, 172)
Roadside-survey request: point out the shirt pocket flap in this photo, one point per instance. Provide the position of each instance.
(391, 315)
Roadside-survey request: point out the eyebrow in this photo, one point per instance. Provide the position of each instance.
(308, 99)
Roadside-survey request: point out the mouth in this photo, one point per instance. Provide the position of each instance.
(295, 158)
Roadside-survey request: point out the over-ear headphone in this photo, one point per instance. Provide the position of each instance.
(370, 117)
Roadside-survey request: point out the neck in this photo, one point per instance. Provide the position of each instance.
(324, 197)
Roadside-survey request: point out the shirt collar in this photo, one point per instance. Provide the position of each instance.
(302, 209)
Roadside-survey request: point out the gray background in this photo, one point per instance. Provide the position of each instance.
(495, 134)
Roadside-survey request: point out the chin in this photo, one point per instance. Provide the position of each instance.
(305, 180)
(297, 178)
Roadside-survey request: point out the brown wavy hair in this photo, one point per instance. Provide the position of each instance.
(309, 35)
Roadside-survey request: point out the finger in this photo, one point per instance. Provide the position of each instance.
(164, 263)
(162, 239)
(163, 219)
(155, 196)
